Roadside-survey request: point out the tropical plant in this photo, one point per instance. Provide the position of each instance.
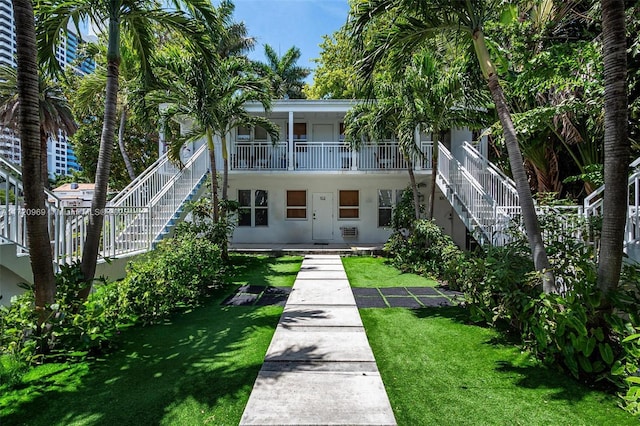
(418, 21)
(285, 76)
(38, 240)
(131, 89)
(135, 17)
(55, 112)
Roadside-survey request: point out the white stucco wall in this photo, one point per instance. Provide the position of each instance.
(282, 230)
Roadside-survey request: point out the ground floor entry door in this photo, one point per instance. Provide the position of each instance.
(322, 216)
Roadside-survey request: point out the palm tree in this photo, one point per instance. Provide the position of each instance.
(135, 17)
(442, 99)
(217, 101)
(416, 21)
(616, 145)
(287, 78)
(383, 116)
(55, 112)
(131, 92)
(29, 126)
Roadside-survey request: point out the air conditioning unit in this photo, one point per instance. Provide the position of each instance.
(349, 231)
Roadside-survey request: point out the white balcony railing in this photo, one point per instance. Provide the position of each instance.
(325, 156)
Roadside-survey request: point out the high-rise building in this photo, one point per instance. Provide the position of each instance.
(60, 156)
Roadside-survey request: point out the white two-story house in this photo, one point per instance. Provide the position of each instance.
(311, 187)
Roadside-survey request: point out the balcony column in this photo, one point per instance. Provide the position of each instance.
(416, 138)
(354, 159)
(290, 141)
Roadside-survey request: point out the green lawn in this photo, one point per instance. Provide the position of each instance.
(438, 370)
(265, 270)
(197, 368)
(364, 271)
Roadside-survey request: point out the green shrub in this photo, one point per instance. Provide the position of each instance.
(420, 250)
(73, 328)
(177, 273)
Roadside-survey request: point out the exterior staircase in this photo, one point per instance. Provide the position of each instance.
(134, 221)
(487, 202)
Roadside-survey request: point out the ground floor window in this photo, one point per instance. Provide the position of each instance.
(253, 207)
(349, 204)
(387, 198)
(296, 204)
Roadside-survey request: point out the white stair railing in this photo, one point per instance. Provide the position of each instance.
(133, 220)
(499, 186)
(473, 205)
(13, 214)
(593, 205)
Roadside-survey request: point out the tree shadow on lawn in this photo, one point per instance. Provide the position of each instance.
(455, 313)
(190, 364)
(525, 372)
(565, 387)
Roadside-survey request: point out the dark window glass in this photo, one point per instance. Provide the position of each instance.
(244, 217)
(244, 198)
(262, 217)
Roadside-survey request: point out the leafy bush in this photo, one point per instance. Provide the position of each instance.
(420, 250)
(73, 328)
(177, 273)
(570, 329)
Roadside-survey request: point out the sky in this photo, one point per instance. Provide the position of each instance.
(286, 23)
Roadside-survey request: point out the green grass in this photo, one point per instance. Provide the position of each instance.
(197, 368)
(264, 270)
(437, 370)
(364, 271)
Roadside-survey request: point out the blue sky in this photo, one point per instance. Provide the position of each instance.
(286, 23)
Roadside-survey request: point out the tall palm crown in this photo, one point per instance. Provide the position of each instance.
(287, 78)
(55, 112)
(409, 24)
(136, 17)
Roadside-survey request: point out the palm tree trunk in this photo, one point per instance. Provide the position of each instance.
(214, 176)
(29, 124)
(225, 175)
(123, 151)
(532, 227)
(43, 158)
(225, 196)
(616, 145)
(96, 216)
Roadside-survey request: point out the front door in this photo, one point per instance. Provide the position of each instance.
(322, 216)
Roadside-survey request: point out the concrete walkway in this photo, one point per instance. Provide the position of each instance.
(319, 368)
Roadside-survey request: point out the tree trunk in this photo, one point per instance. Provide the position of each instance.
(225, 196)
(532, 227)
(29, 124)
(123, 151)
(43, 158)
(616, 145)
(96, 216)
(215, 204)
(225, 174)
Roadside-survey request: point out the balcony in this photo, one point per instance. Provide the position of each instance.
(324, 156)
